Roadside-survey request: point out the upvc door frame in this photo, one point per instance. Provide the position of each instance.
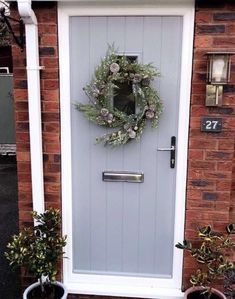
(110, 284)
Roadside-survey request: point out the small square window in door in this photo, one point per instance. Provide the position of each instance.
(123, 99)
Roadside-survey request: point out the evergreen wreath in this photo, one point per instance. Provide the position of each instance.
(113, 71)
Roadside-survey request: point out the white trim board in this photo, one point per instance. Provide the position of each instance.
(122, 285)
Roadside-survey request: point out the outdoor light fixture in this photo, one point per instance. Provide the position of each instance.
(218, 74)
(5, 18)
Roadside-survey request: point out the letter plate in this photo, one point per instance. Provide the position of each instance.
(123, 176)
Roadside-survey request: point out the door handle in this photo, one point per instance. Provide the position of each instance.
(171, 149)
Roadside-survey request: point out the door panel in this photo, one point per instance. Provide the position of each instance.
(124, 228)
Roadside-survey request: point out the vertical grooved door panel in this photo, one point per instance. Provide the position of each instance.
(124, 228)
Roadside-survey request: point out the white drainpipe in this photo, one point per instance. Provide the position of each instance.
(34, 102)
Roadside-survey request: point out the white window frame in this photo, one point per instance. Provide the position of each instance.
(110, 284)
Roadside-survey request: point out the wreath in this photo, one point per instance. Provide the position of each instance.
(115, 74)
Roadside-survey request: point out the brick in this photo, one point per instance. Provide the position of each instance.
(51, 127)
(203, 41)
(47, 16)
(210, 196)
(202, 165)
(230, 28)
(22, 116)
(52, 187)
(22, 126)
(202, 143)
(219, 155)
(48, 28)
(20, 72)
(50, 116)
(221, 110)
(50, 84)
(203, 17)
(53, 168)
(227, 166)
(21, 106)
(50, 74)
(57, 158)
(51, 197)
(196, 154)
(52, 148)
(198, 99)
(50, 62)
(194, 194)
(22, 137)
(48, 40)
(197, 111)
(224, 16)
(24, 167)
(24, 177)
(51, 106)
(52, 178)
(46, 51)
(198, 88)
(200, 183)
(224, 42)
(50, 95)
(223, 185)
(210, 29)
(217, 175)
(23, 146)
(229, 88)
(195, 174)
(20, 84)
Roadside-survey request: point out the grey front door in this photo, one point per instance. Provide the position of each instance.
(124, 228)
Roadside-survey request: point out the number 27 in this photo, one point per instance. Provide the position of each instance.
(211, 124)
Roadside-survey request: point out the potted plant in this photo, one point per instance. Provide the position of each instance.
(38, 249)
(211, 253)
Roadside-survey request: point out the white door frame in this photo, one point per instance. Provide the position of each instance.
(123, 285)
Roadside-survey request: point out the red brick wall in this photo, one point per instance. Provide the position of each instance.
(211, 164)
(46, 13)
(211, 155)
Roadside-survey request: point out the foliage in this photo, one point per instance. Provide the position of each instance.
(5, 37)
(114, 71)
(211, 254)
(38, 248)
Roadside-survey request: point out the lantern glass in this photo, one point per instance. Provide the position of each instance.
(219, 68)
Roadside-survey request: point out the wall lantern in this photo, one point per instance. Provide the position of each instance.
(218, 74)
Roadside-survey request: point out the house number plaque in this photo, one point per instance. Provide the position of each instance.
(211, 124)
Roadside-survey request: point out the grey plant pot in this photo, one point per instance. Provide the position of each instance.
(194, 289)
(34, 285)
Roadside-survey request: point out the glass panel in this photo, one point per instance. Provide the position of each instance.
(219, 69)
(123, 98)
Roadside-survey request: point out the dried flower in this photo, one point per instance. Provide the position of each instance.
(114, 67)
(110, 116)
(152, 107)
(137, 78)
(132, 134)
(104, 112)
(149, 114)
(127, 127)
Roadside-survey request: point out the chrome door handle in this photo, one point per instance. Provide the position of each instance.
(163, 149)
(172, 150)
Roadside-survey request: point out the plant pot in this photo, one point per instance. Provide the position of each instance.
(196, 293)
(61, 290)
